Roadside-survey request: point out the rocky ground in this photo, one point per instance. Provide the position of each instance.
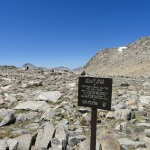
(39, 111)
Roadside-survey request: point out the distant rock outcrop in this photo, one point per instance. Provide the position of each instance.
(130, 60)
(61, 68)
(5, 67)
(28, 66)
(77, 69)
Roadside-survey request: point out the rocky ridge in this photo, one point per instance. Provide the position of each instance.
(39, 111)
(5, 67)
(130, 60)
(61, 68)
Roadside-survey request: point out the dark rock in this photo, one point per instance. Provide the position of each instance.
(83, 73)
(10, 118)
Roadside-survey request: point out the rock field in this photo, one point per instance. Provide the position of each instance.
(39, 111)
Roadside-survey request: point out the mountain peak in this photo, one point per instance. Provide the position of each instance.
(29, 65)
(130, 60)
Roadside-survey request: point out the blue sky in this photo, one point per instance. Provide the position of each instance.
(51, 33)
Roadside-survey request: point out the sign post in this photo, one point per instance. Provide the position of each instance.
(95, 93)
(93, 128)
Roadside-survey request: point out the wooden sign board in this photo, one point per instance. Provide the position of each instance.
(95, 92)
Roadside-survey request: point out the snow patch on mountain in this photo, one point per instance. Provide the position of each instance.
(121, 48)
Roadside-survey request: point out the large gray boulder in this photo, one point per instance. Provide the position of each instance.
(32, 126)
(23, 117)
(48, 115)
(51, 96)
(33, 95)
(5, 112)
(24, 142)
(33, 105)
(8, 119)
(124, 114)
(44, 136)
(60, 138)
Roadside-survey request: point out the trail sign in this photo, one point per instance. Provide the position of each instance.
(95, 92)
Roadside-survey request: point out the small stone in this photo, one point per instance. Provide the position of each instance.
(110, 115)
(85, 145)
(131, 87)
(12, 143)
(147, 132)
(132, 121)
(72, 128)
(85, 120)
(1, 92)
(1, 101)
(83, 73)
(130, 102)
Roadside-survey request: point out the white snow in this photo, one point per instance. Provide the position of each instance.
(121, 48)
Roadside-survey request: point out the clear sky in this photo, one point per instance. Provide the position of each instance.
(52, 33)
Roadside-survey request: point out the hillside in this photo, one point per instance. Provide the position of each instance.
(130, 60)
